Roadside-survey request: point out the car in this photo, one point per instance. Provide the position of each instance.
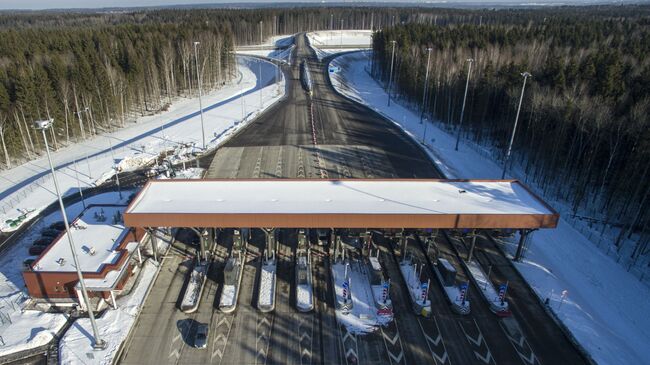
(27, 264)
(201, 337)
(59, 226)
(36, 250)
(49, 232)
(43, 241)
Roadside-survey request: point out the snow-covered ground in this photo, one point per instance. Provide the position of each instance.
(606, 308)
(328, 42)
(266, 297)
(362, 317)
(114, 325)
(23, 330)
(486, 287)
(226, 110)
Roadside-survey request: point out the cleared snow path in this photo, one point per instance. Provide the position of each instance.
(606, 308)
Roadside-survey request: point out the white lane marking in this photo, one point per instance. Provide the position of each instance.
(519, 343)
(479, 342)
(439, 359)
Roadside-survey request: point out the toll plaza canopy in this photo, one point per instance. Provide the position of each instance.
(350, 203)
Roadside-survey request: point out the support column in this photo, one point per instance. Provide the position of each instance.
(471, 248)
(270, 242)
(113, 299)
(524, 235)
(82, 305)
(139, 255)
(154, 243)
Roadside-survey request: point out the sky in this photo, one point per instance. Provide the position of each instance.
(58, 4)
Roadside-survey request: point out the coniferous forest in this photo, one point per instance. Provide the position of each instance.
(583, 137)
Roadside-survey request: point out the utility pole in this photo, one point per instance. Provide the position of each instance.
(462, 110)
(514, 128)
(198, 80)
(425, 87)
(259, 69)
(99, 343)
(390, 79)
(117, 173)
(341, 41)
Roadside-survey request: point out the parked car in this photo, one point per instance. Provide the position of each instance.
(43, 241)
(36, 250)
(27, 264)
(201, 338)
(49, 232)
(59, 226)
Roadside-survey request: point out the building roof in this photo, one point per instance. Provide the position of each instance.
(352, 203)
(97, 236)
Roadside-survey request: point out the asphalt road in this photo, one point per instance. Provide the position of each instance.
(328, 136)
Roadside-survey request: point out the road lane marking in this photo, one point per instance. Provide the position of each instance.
(479, 342)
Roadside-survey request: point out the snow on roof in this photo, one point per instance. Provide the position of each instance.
(96, 236)
(336, 197)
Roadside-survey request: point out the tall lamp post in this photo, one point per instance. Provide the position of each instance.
(462, 110)
(117, 173)
(259, 68)
(390, 78)
(99, 344)
(426, 84)
(198, 80)
(526, 75)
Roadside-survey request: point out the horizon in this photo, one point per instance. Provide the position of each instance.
(45, 5)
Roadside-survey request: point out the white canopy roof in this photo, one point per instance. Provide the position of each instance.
(210, 201)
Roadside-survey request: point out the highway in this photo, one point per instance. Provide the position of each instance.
(329, 136)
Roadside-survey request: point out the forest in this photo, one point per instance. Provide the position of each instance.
(94, 72)
(583, 137)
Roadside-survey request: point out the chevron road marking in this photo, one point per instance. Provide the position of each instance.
(221, 340)
(520, 345)
(305, 334)
(479, 341)
(395, 359)
(264, 328)
(438, 358)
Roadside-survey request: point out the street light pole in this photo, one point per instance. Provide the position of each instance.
(462, 110)
(117, 173)
(514, 128)
(259, 69)
(99, 343)
(390, 78)
(198, 80)
(341, 40)
(76, 174)
(426, 84)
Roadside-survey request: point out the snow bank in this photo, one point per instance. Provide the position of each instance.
(362, 317)
(414, 286)
(266, 294)
(192, 296)
(606, 308)
(486, 287)
(76, 345)
(304, 292)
